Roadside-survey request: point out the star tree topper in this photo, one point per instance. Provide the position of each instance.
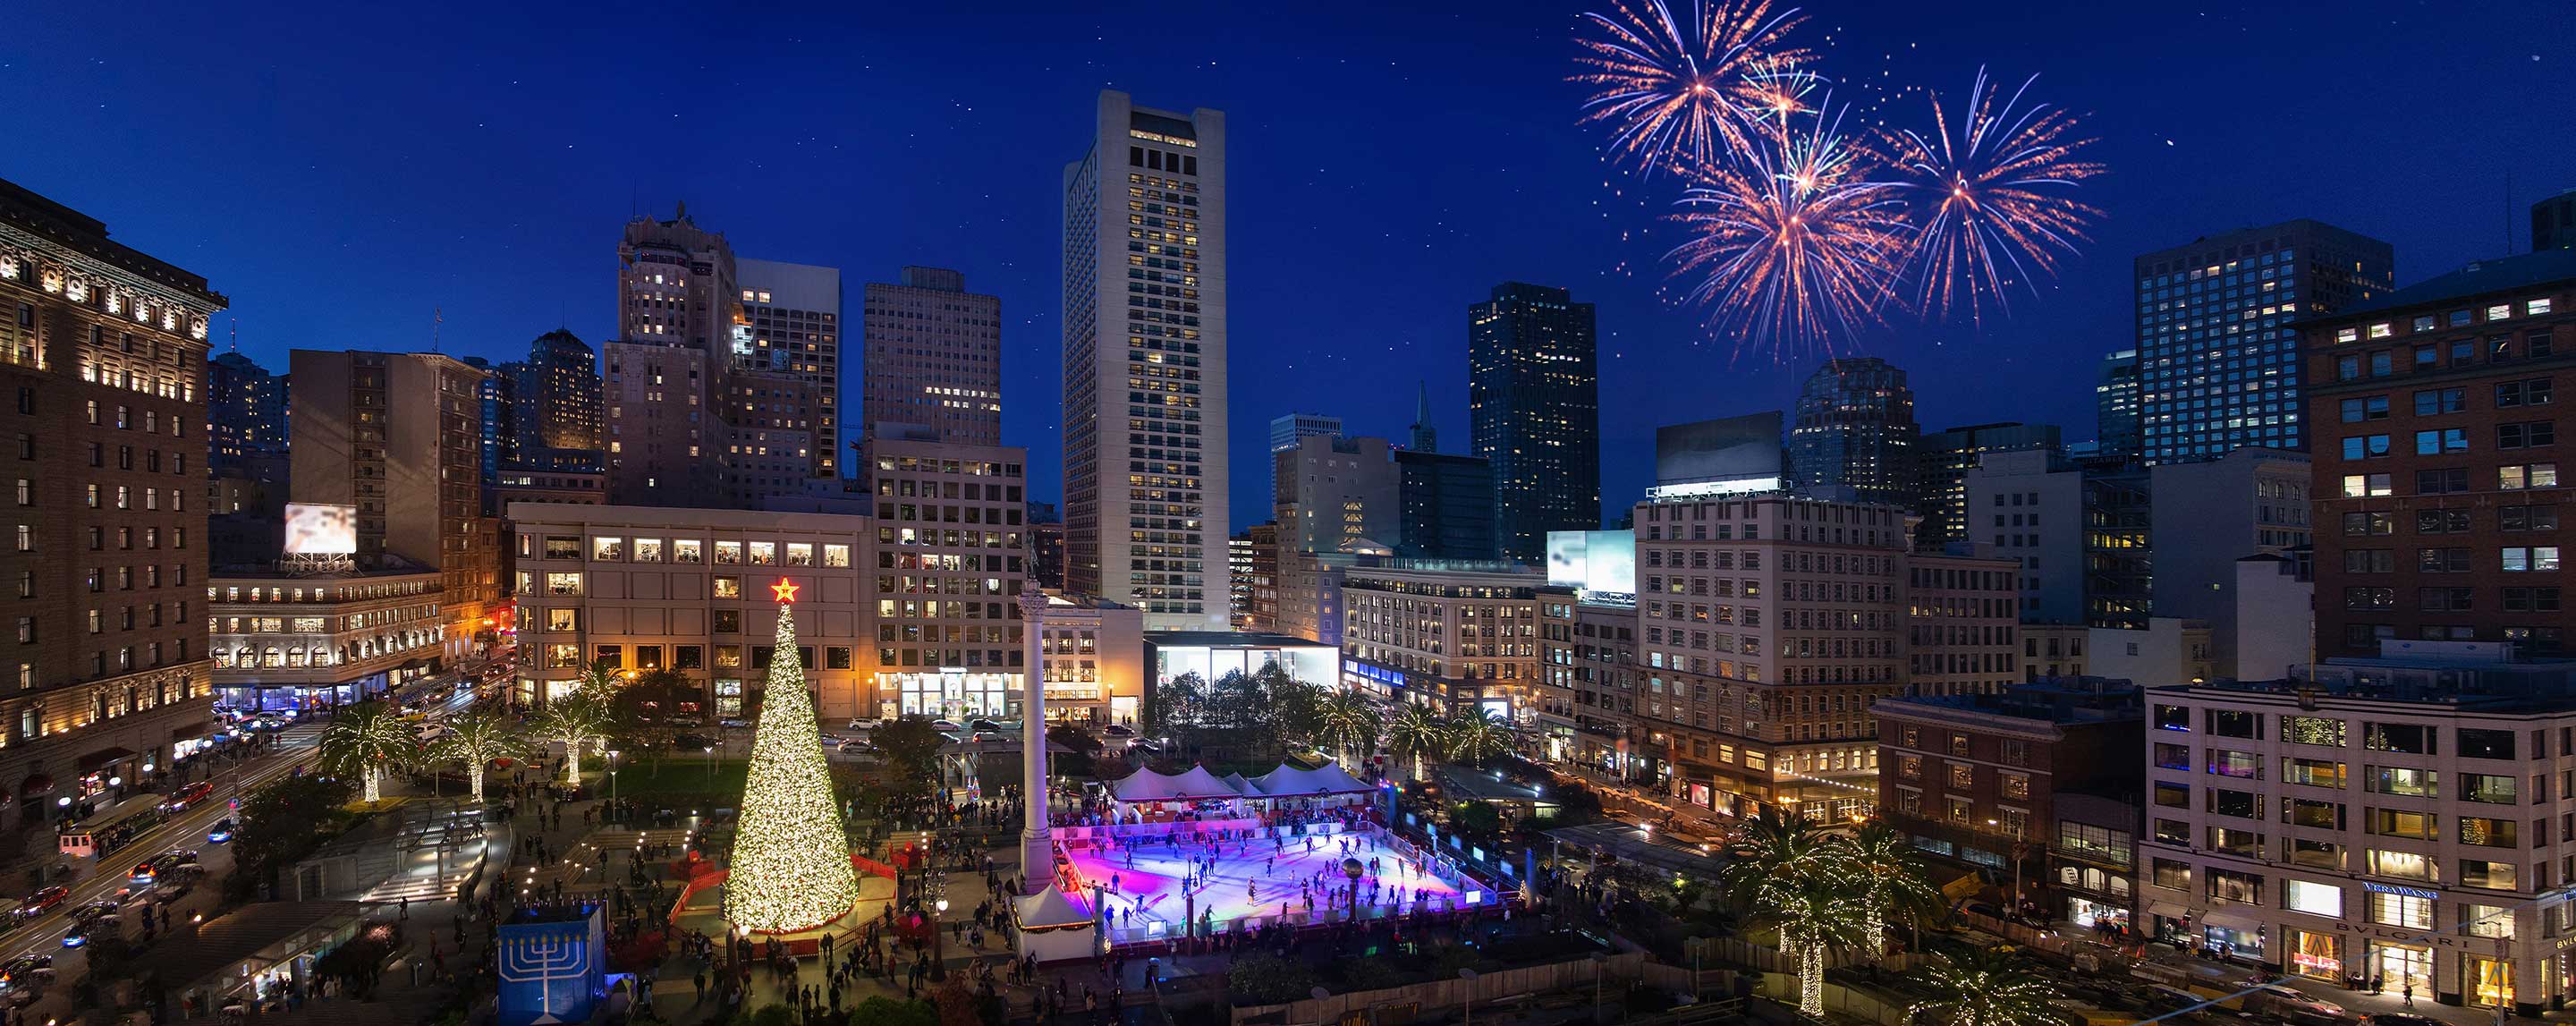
(784, 590)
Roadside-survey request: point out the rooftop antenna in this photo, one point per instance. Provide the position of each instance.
(2508, 211)
(437, 316)
(233, 343)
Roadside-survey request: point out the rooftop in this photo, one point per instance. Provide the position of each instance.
(2479, 277)
(1229, 639)
(2057, 700)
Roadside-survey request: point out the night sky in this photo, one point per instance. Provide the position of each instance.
(342, 170)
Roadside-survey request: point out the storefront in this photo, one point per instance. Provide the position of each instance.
(2317, 955)
(2096, 915)
(2233, 935)
(2488, 981)
(2402, 968)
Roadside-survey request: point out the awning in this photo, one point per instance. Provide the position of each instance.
(190, 732)
(2167, 909)
(37, 786)
(102, 757)
(2237, 921)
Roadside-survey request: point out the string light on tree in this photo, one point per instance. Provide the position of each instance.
(791, 860)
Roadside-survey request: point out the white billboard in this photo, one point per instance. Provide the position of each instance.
(1603, 561)
(316, 529)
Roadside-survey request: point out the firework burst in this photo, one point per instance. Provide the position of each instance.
(1989, 198)
(1795, 244)
(1672, 88)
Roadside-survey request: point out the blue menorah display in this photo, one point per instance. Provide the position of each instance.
(552, 972)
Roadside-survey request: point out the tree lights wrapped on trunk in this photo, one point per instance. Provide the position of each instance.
(791, 858)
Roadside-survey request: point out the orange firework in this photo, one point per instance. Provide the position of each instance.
(1794, 247)
(1674, 90)
(1989, 200)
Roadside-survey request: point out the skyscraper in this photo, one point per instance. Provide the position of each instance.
(675, 285)
(2116, 430)
(1337, 492)
(934, 358)
(1287, 428)
(1445, 506)
(1855, 432)
(1144, 364)
(663, 432)
(795, 315)
(2218, 363)
(556, 406)
(2553, 222)
(1534, 408)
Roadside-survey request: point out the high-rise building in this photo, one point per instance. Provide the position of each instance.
(1260, 588)
(2027, 505)
(1338, 494)
(934, 358)
(1854, 433)
(2209, 515)
(2116, 430)
(795, 316)
(663, 435)
(1445, 506)
(1534, 407)
(1942, 463)
(948, 623)
(2217, 360)
(2440, 502)
(1239, 554)
(1146, 481)
(397, 437)
(2553, 222)
(556, 410)
(1425, 437)
(103, 349)
(676, 286)
(245, 411)
(1287, 428)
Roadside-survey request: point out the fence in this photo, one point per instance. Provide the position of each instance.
(1493, 986)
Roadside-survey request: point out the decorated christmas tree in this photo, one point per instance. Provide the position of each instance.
(791, 859)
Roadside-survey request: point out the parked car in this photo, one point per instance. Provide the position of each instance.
(1119, 730)
(981, 726)
(43, 901)
(222, 832)
(946, 726)
(862, 725)
(686, 742)
(734, 724)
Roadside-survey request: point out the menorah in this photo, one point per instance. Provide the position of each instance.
(542, 961)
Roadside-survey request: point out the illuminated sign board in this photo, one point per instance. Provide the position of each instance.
(316, 529)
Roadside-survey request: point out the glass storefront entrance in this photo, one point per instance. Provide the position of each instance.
(2317, 955)
(2398, 967)
(2490, 981)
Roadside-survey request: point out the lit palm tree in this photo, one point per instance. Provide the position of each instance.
(1813, 915)
(368, 741)
(1773, 845)
(1476, 735)
(1351, 723)
(1416, 732)
(1893, 883)
(1988, 987)
(576, 720)
(476, 739)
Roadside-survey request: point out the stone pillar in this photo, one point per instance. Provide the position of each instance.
(1037, 850)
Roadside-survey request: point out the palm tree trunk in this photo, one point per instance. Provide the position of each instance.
(1811, 979)
(572, 760)
(373, 790)
(474, 777)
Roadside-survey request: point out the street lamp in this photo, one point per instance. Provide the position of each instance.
(938, 951)
(612, 776)
(711, 763)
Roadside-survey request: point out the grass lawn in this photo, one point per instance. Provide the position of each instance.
(676, 779)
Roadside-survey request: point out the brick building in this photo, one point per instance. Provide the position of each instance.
(2441, 514)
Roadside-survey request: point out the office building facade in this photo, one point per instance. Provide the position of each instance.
(1534, 410)
(103, 349)
(794, 313)
(1854, 435)
(2118, 434)
(1145, 458)
(934, 358)
(1445, 506)
(1339, 494)
(2441, 510)
(1942, 463)
(2218, 362)
(951, 564)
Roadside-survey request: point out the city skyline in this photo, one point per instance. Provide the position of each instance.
(244, 212)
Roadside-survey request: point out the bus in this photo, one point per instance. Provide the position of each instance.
(111, 828)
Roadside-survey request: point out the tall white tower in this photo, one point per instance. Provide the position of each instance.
(1144, 365)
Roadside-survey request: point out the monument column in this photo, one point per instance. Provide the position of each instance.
(1037, 849)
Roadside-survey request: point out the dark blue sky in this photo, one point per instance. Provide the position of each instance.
(341, 170)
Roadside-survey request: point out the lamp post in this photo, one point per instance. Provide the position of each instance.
(1469, 975)
(612, 776)
(938, 951)
(1352, 868)
(1597, 959)
(711, 763)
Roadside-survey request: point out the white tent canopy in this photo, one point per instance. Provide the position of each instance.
(1288, 781)
(1145, 785)
(1050, 909)
(1241, 786)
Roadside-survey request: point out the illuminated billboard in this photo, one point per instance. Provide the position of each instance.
(1593, 560)
(316, 529)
